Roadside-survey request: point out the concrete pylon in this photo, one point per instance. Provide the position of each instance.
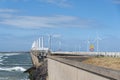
(39, 43)
(42, 42)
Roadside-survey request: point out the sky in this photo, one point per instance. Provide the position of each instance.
(73, 24)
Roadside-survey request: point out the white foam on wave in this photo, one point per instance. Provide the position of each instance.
(4, 78)
(8, 78)
(21, 64)
(1, 57)
(13, 69)
(8, 54)
(1, 60)
(1, 63)
(25, 79)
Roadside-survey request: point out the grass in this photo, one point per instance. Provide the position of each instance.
(107, 62)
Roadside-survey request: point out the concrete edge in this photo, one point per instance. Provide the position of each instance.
(105, 72)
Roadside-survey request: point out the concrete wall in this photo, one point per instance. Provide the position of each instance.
(61, 69)
(34, 58)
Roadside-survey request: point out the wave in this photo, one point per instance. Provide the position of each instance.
(9, 78)
(1, 63)
(13, 69)
(18, 64)
(1, 57)
(25, 79)
(1, 60)
(5, 55)
(4, 78)
(9, 54)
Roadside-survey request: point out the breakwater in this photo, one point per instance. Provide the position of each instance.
(38, 71)
(62, 66)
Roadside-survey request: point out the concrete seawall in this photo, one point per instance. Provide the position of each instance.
(39, 69)
(66, 69)
(34, 58)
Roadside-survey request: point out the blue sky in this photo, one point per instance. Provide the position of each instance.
(71, 22)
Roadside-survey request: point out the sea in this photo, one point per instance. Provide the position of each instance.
(13, 65)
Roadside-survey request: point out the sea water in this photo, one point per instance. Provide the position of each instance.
(12, 66)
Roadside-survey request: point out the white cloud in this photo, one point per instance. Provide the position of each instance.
(56, 35)
(14, 0)
(6, 10)
(5, 15)
(116, 1)
(35, 22)
(44, 21)
(60, 3)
